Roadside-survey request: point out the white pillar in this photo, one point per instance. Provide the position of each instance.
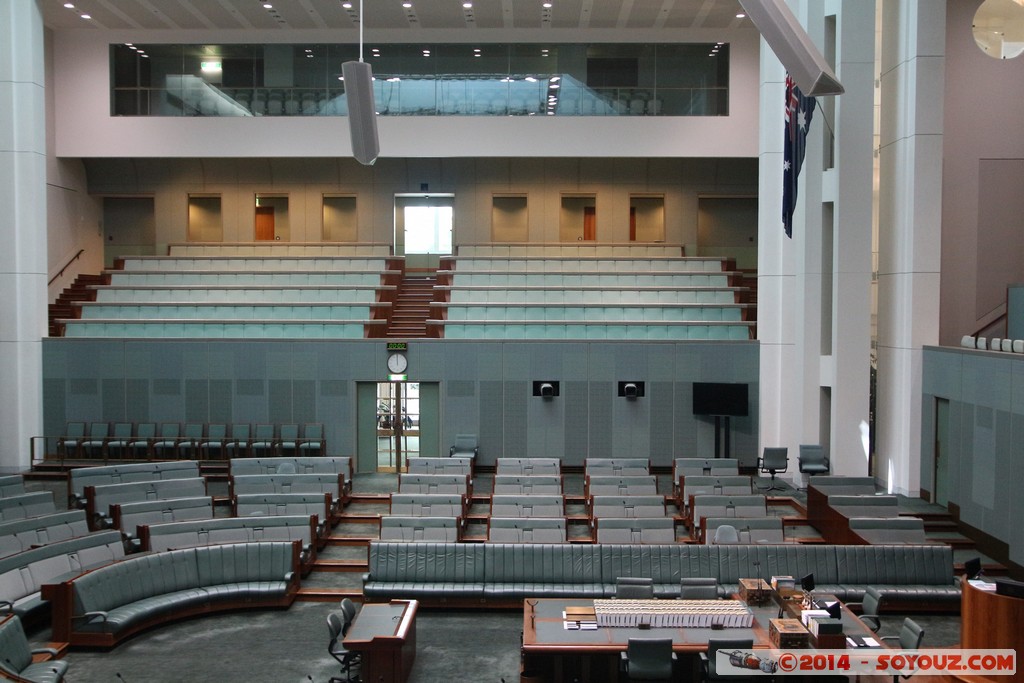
(910, 222)
(23, 230)
(814, 321)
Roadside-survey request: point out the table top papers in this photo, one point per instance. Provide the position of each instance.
(674, 613)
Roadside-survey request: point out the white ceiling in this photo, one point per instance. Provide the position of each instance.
(390, 15)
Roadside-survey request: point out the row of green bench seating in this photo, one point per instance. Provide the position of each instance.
(567, 264)
(606, 250)
(226, 263)
(587, 279)
(251, 294)
(915, 577)
(595, 312)
(641, 330)
(275, 249)
(609, 296)
(220, 329)
(247, 311)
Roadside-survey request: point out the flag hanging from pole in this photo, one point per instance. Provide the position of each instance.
(798, 120)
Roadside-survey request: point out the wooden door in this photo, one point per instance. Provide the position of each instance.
(589, 223)
(632, 224)
(264, 223)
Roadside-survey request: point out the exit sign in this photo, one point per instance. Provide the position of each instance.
(398, 346)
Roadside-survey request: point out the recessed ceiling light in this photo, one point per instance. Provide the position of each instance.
(69, 5)
(87, 16)
(547, 5)
(741, 15)
(142, 55)
(267, 5)
(346, 5)
(407, 5)
(530, 79)
(467, 5)
(555, 79)
(719, 43)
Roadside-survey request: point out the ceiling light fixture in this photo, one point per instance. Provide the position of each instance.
(407, 5)
(267, 5)
(69, 5)
(741, 15)
(87, 16)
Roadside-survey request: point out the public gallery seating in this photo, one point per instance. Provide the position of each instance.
(912, 576)
(104, 606)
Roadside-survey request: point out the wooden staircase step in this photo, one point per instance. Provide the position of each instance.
(327, 594)
(322, 565)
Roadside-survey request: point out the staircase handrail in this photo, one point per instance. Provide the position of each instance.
(70, 261)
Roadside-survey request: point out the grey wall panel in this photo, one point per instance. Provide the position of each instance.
(516, 427)
(685, 437)
(304, 401)
(113, 399)
(660, 398)
(492, 422)
(197, 400)
(279, 400)
(221, 401)
(485, 388)
(602, 420)
(928, 443)
(55, 395)
(1014, 503)
(941, 373)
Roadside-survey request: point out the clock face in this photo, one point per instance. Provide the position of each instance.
(397, 363)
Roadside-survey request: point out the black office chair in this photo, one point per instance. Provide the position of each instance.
(346, 658)
(634, 588)
(910, 638)
(737, 648)
(648, 659)
(698, 588)
(869, 608)
(773, 461)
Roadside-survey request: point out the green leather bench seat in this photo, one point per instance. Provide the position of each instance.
(129, 516)
(115, 601)
(225, 530)
(99, 499)
(664, 564)
(327, 464)
(424, 570)
(865, 506)
(750, 529)
(12, 485)
(529, 466)
(27, 505)
(16, 657)
(635, 529)
(616, 467)
(432, 465)
(527, 484)
(23, 575)
(81, 477)
(23, 534)
(434, 483)
(545, 570)
(614, 485)
(498, 572)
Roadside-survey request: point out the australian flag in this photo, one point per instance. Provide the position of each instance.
(798, 121)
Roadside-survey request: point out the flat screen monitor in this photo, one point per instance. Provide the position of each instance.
(718, 398)
(972, 567)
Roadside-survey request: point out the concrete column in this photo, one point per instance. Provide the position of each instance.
(910, 160)
(814, 321)
(847, 364)
(23, 230)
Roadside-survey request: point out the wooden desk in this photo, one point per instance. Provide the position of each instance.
(989, 620)
(385, 635)
(555, 654)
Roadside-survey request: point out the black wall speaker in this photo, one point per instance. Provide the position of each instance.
(631, 389)
(545, 388)
(791, 44)
(362, 111)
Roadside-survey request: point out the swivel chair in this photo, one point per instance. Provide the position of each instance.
(909, 638)
(812, 460)
(698, 588)
(869, 608)
(346, 658)
(648, 659)
(634, 588)
(465, 446)
(774, 461)
(726, 534)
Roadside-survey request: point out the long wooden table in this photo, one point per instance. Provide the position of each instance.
(385, 635)
(552, 653)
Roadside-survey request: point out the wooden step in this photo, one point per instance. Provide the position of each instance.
(350, 541)
(322, 565)
(327, 594)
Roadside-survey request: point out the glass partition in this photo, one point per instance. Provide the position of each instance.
(413, 80)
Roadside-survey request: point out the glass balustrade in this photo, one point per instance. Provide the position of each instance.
(441, 80)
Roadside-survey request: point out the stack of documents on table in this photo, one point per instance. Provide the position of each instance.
(579, 619)
(981, 584)
(862, 641)
(674, 613)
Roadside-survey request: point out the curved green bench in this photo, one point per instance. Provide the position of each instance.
(104, 606)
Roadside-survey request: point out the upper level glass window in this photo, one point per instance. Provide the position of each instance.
(417, 80)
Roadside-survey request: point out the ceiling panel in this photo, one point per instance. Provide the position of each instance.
(177, 13)
(389, 14)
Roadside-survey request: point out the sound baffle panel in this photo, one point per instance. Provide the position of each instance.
(492, 424)
(660, 400)
(601, 419)
(516, 424)
(576, 437)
